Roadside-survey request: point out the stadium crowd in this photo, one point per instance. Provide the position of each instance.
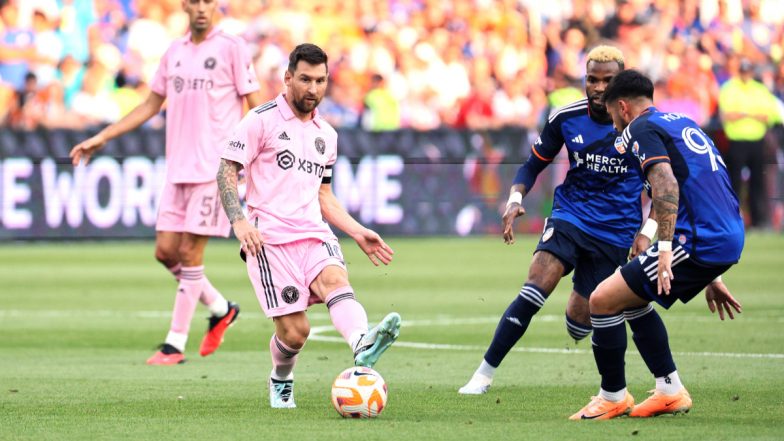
(394, 63)
(419, 64)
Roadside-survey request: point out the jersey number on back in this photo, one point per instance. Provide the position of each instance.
(699, 143)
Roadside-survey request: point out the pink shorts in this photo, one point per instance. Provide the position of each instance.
(192, 208)
(281, 274)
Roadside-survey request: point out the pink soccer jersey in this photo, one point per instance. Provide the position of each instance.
(285, 161)
(203, 85)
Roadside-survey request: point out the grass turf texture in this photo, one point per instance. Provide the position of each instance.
(78, 320)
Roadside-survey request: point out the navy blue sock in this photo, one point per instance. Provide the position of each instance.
(609, 348)
(514, 322)
(576, 330)
(650, 336)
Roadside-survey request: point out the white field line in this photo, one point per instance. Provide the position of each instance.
(322, 316)
(316, 331)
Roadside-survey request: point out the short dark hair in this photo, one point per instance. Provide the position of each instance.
(309, 53)
(628, 84)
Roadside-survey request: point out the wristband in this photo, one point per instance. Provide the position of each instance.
(717, 279)
(649, 229)
(515, 198)
(665, 245)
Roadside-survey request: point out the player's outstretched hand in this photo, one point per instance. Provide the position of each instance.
(249, 237)
(719, 298)
(85, 149)
(641, 243)
(513, 211)
(374, 246)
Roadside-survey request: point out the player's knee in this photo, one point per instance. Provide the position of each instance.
(294, 335)
(166, 256)
(189, 254)
(600, 303)
(331, 279)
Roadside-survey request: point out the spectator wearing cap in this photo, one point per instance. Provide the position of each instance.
(747, 109)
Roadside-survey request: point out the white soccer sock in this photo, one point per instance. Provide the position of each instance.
(669, 384)
(486, 370)
(177, 340)
(613, 396)
(219, 307)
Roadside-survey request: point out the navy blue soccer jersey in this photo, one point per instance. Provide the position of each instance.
(601, 192)
(709, 225)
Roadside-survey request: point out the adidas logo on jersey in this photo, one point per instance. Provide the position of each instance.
(578, 139)
(284, 137)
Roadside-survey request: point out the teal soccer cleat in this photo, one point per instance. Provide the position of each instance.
(377, 340)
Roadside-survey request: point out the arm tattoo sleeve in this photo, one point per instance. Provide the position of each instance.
(665, 193)
(227, 186)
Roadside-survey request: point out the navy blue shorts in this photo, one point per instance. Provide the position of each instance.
(690, 276)
(591, 259)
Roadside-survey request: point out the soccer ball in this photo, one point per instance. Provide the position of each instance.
(359, 392)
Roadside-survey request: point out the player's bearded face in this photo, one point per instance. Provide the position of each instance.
(597, 77)
(200, 13)
(306, 86)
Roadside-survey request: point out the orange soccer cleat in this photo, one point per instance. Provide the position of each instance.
(218, 326)
(167, 355)
(659, 404)
(601, 409)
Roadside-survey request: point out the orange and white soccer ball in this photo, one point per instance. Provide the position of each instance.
(359, 392)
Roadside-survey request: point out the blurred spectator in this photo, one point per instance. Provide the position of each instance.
(435, 56)
(22, 115)
(476, 111)
(747, 108)
(7, 103)
(511, 106)
(94, 103)
(48, 46)
(16, 47)
(342, 108)
(566, 90)
(71, 77)
(381, 111)
(694, 85)
(76, 20)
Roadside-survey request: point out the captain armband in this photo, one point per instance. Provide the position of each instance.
(326, 178)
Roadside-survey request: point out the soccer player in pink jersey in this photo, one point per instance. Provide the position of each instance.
(292, 256)
(203, 77)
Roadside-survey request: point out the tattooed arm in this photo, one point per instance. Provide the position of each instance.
(247, 234)
(665, 193)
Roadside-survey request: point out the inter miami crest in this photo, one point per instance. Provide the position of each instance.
(321, 146)
(210, 63)
(290, 294)
(179, 83)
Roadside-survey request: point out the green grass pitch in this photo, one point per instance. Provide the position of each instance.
(78, 320)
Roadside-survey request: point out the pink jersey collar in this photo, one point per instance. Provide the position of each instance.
(212, 33)
(287, 113)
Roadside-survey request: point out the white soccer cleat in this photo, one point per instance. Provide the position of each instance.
(477, 385)
(281, 393)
